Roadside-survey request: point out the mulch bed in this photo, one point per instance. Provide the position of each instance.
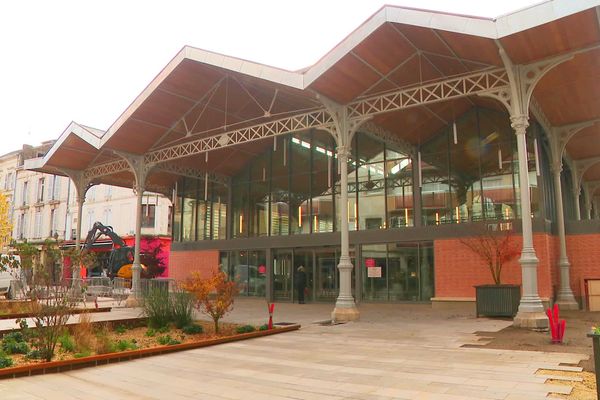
(146, 346)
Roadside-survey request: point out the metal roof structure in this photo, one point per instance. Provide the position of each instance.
(409, 72)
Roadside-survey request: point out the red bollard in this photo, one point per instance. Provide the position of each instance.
(271, 308)
(557, 326)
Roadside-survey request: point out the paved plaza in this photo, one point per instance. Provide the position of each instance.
(394, 352)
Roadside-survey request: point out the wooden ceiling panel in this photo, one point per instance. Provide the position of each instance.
(135, 137)
(554, 38)
(472, 48)
(417, 125)
(414, 71)
(585, 144)
(191, 79)
(593, 173)
(384, 49)
(447, 66)
(346, 80)
(424, 39)
(569, 92)
(162, 109)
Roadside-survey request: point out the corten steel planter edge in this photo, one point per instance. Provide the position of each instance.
(80, 311)
(596, 352)
(101, 359)
(497, 300)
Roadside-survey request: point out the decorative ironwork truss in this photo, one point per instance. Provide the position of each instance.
(472, 84)
(190, 172)
(313, 119)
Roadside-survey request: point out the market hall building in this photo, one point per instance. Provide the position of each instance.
(369, 167)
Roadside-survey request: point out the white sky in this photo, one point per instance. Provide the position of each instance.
(85, 61)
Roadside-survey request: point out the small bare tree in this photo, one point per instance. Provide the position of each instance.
(495, 248)
(52, 303)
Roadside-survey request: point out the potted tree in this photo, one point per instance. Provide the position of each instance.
(495, 248)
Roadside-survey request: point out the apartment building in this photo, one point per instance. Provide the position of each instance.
(45, 205)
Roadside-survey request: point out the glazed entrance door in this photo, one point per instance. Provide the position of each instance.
(305, 258)
(283, 272)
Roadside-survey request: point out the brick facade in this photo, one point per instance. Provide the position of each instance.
(584, 254)
(458, 270)
(183, 263)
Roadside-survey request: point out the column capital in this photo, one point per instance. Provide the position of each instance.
(519, 123)
(556, 166)
(344, 151)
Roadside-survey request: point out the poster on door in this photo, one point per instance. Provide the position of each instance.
(374, 272)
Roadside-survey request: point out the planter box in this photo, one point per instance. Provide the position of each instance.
(102, 359)
(497, 300)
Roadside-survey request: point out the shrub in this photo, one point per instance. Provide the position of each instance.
(167, 340)
(245, 329)
(192, 329)
(163, 329)
(182, 307)
(81, 354)
(214, 294)
(67, 343)
(123, 345)
(120, 329)
(83, 334)
(5, 361)
(150, 332)
(104, 344)
(14, 336)
(13, 347)
(157, 307)
(34, 354)
(264, 327)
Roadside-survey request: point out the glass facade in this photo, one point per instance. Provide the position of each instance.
(466, 172)
(469, 170)
(397, 271)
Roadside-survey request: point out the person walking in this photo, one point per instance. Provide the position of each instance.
(300, 283)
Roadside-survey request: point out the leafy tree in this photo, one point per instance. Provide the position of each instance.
(495, 248)
(214, 295)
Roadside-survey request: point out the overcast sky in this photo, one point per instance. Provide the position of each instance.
(85, 61)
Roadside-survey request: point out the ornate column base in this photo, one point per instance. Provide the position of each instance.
(134, 297)
(537, 321)
(345, 314)
(565, 298)
(132, 302)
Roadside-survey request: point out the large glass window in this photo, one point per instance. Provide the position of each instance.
(468, 170)
(399, 189)
(300, 183)
(322, 178)
(190, 194)
(371, 183)
(280, 206)
(248, 269)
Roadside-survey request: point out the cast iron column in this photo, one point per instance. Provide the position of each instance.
(137, 266)
(531, 310)
(345, 308)
(565, 300)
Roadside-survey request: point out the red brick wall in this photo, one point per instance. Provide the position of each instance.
(183, 263)
(457, 269)
(584, 255)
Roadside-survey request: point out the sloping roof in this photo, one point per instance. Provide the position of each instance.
(201, 93)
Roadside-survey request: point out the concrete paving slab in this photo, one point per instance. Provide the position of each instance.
(393, 352)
